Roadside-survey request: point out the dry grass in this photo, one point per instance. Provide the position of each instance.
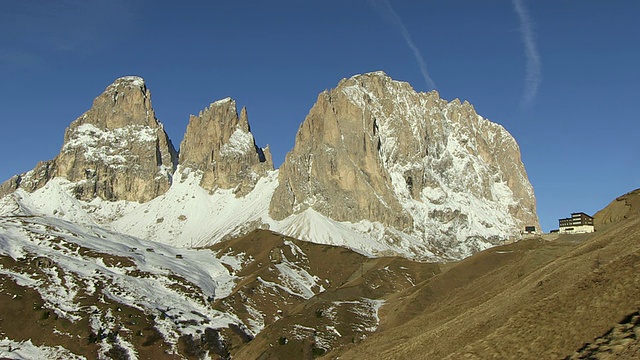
(529, 300)
(623, 207)
(347, 277)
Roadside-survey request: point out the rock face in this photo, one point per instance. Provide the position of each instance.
(31, 180)
(375, 149)
(219, 143)
(117, 150)
(376, 167)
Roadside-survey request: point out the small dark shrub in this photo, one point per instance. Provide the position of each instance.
(316, 351)
(117, 352)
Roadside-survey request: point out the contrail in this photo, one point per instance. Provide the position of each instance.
(534, 73)
(386, 11)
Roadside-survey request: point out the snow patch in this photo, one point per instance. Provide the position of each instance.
(27, 350)
(297, 281)
(109, 146)
(240, 142)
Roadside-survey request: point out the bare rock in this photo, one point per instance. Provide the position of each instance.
(117, 150)
(375, 149)
(219, 143)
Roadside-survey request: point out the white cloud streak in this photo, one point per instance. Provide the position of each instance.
(386, 11)
(533, 75)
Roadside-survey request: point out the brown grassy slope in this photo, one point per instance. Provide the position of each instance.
(622, 341)
(262, 251)
(527, 300)
(623, 207)
(332, 318)
(301, 329)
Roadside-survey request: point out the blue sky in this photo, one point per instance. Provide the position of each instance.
(562, 76)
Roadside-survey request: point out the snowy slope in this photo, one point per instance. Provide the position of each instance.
(149, 279)
(68, 264)
(189, 216)
(85, 273)
(10, 349)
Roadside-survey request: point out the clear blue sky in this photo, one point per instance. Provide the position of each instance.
(562, 76)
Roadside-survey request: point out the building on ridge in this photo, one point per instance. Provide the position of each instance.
(578, 223)
(529, 230)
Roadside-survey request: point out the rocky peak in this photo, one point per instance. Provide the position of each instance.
(117, 150)
(375, 149)
(219, 143)
(125, 102)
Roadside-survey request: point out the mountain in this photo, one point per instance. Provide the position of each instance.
(220, 145)
(117, 150)
(373, 149)
(376, 167)
(121, 248)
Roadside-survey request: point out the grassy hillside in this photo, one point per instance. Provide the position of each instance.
(344, 312)
(528, 300)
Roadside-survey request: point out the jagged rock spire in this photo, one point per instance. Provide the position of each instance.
(219, 143)
(117, 150)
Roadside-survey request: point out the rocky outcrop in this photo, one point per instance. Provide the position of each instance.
(376, 166)
(219, 143)
(375, 149)
(117, 150)
(31, 180)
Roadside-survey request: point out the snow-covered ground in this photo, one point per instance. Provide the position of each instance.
(82, 255)
(177, 286)
(10, 349)
(189, 216)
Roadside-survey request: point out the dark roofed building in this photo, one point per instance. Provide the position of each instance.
(578, 223)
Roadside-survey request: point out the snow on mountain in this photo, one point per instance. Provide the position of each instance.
(10, 349)
(115, 150)
(118, 221)
(81, 252)
(366, 237)
(189, 216)
(373, 149)
(218, 143)
(80, 269)
(377, 167)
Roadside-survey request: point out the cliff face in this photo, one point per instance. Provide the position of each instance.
(219, 143)
(376, 166)
(117, 150)
(375, 149)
